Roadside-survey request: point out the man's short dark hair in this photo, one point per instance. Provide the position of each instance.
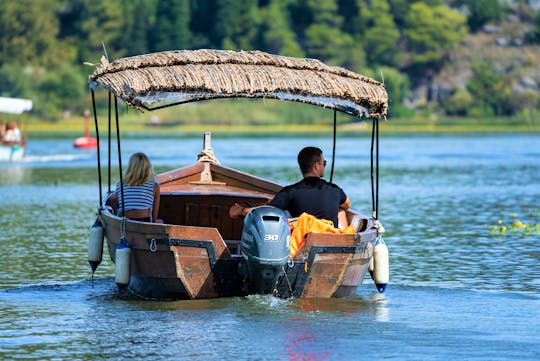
(308, 157)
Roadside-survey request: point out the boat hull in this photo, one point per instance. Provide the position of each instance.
(170, 262)
(85, 142)
(11, 153)
(196, 252)
(174, 262)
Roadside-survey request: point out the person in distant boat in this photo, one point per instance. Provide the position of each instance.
(140, 191)
(312, 195)
(12, 134)
(2, 130)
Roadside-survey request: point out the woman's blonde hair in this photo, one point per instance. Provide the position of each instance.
(139, 170)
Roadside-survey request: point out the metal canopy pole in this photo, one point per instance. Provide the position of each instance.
(373, 206)
(98, 152)
(377, 175)
(109, 144)
(333, 148)
(119, 156)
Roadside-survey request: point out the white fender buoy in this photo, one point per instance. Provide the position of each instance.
(381, 265)
(95, 245)
(122, 264)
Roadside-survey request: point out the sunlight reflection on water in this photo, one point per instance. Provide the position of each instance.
(456, 291)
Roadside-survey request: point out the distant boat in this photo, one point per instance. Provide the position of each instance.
(163, 124)
(155, 122)
(86, 141)
(13, 143)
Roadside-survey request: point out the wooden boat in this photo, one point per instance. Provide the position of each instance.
(13, 150)
(199, 251)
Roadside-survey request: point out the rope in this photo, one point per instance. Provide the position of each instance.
(98, 152)
(109, 143)
(377, 176)
(375, 186)
(379, 227)
(207, 155)
(123, 238)
(123, 228)
(119, 156)
(286, 278)
(371, 167)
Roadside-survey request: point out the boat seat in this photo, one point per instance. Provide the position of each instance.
(205, 211)
(358, 221)
(234, 246)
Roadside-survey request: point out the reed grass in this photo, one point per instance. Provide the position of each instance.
(249, 117)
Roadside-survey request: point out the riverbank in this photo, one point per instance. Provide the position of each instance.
(241, 117)
(75, 128)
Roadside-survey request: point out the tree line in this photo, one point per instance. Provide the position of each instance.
(45, 43)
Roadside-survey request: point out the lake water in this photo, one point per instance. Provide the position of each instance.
(460, 288)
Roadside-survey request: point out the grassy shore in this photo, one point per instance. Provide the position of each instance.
(263, 118)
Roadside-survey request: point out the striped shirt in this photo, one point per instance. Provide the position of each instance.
(137, 197)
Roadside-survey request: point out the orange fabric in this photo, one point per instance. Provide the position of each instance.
(305, 224)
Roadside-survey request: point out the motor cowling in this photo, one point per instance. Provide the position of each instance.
(265, 248)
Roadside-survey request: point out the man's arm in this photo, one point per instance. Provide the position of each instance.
(345, 205)
(237, 210)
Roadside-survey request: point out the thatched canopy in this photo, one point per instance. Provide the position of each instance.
(15, 105)
(163, 79)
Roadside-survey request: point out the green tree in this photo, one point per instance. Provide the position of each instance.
(202, 23)
(458, 103)
(171, 29)
(489, 89)
(482, 12)
(349, 12)
(325, 40)
(277, 36)
(28, 32)
(431, 32)
(399, 9)
(329, 44)
(302, 16)
(397, 84)
(236, 24)
(16, 80)
(380, 35)
(89, 25)
(61, 90)
(137, 25)
(431, 3)
(325, 12)
(534, 35)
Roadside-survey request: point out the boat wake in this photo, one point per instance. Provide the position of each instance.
(99, 286)
(54, 158)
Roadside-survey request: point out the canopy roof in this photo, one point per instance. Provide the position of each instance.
(163, 79)
(14, 105)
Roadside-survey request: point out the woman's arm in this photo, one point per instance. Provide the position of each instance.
(155, 207)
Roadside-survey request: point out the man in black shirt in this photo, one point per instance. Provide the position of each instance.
(312, 194)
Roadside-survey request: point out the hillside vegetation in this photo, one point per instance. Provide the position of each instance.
(438, 59)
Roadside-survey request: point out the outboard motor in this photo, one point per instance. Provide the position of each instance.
(264, 247)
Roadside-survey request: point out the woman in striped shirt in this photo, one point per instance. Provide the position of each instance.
(140, 190)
